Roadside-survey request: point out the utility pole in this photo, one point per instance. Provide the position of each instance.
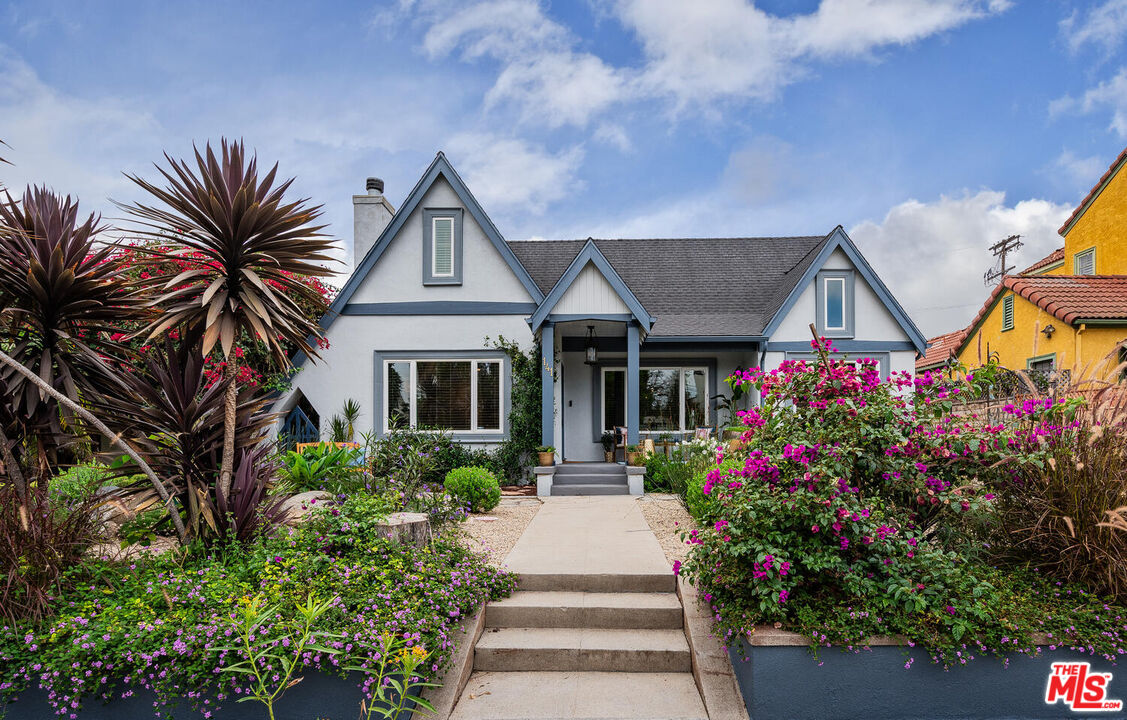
(1000, 249)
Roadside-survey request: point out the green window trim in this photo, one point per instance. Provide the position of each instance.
(1041, 358)
(1082, 258)
(1007, 313)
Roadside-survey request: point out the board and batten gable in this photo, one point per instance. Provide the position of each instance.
(389, 314)
(872, 323)
(591, 293)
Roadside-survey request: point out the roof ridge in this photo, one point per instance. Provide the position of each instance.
(651, 239)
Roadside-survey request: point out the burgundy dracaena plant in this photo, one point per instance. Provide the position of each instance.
(176, 422)
(246, 510)
(244, 243)
(62, 295)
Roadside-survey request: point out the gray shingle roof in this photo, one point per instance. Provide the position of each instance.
(693, 286)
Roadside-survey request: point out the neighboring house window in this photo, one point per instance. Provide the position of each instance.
(1084, 263)
(463, 395)
(834, 295)
(1122, 357)
(442, 247)
(1008, 313)
(673, 399)
(1042, 364)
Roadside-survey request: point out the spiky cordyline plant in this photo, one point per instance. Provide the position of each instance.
(245, 243)
(176, 422)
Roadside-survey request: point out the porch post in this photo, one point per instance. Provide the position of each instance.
(632, 401)
(547, 383)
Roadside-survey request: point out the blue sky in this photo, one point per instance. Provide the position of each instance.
(928, 128)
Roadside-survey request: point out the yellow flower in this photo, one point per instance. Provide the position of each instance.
(419, 652)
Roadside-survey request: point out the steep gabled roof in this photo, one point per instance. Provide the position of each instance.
(838, 239)
(690, 286)
(940, 349)
(591, 254)
(1056, 256)
(1093, 193)
(439, 167)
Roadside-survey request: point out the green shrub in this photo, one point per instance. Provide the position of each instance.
(474, 486)
(666, 475)
(79, 482)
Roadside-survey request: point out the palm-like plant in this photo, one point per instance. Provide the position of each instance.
(61, 298)
(176, 422)
(244, 243)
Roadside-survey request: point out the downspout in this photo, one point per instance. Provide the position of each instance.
(1076, 345)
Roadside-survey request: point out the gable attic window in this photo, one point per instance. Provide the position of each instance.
(834, 296)
(1008, 313)
(442, 246)
(1084, 263)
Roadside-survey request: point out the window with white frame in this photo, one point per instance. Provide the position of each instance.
(670, 399)
(462, 395)
(833, 302)
(442, 247)
(1084, 263)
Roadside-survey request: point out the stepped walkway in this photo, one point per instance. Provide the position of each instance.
(595, 629)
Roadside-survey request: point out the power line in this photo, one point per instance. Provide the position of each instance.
(1000, 249)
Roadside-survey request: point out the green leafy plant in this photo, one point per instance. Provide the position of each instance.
(350, 413)
(666, 475)
(325, 467)
(474, 486)
(272, 648)
(511, 458)
(545, 449)
(395, 679)
(607, 440)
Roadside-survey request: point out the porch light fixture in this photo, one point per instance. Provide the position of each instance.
(1049, 330)
(590, 347)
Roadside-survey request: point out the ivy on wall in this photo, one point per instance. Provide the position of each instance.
(514, 456)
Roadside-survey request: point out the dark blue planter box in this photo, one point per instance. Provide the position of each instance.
(318, 695)
(787, 682)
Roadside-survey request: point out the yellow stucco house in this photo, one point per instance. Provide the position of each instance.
(1068, 311)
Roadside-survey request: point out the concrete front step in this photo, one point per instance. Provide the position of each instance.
(580, 695)
(582, 649)
(601, 489)
(536, 609)
(590, 469)
(655, 582)
(589, 479)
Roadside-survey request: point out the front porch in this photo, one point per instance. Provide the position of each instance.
(601, 373)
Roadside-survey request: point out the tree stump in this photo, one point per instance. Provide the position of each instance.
(408, 528)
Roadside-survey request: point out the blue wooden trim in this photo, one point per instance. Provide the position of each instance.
(845, 346)
(839, 239)
(547, 383)
(439, 307)
(633, 404)
(429, 215)
(590, 254)
(379, 417)
(574, 317)
(440, 166)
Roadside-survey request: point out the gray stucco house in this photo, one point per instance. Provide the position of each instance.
(669, 319)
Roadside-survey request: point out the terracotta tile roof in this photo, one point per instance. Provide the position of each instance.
(940, 349)
(1054, 257)
(1093, 193)
(1068, 298)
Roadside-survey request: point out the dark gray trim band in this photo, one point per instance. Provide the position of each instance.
(439, 307)
(578, 317)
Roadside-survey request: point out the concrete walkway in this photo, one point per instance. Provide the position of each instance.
(595, 629)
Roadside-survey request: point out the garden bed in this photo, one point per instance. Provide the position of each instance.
(779, 677)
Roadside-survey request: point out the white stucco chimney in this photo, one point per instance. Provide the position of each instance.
(370, 215)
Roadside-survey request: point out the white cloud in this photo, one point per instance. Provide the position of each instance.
(1110, 95)
(695, 53)
(1104, 26)
(932, 255)
(507, 173)
(1079, 172)
(614, 134)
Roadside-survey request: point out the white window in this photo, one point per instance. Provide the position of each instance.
(833, 302)
(442, 247)
(671, 399)
(1084, 263)
(461, 395)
